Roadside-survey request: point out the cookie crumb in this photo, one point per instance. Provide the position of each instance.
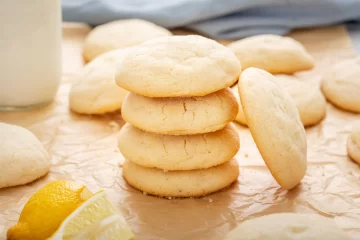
(210, 200)
(246, 155)
(145, 193)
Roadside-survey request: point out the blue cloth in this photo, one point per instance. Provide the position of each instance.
(222, 19)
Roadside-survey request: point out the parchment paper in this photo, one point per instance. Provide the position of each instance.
(84, 148)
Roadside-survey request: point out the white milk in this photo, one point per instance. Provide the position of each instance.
(30, 52)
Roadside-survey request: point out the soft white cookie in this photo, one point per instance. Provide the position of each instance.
(308, 99)
(341, 85)
(178, 66)
(353, 144)
(185, 152)
(275, 125)
(288, 226)
(192, 183)
(95, 90)
(275, 54)
(23, 158)
(120, 34)
(180, 116)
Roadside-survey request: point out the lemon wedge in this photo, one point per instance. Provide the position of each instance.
(111, 228)
(97, 218)
(47, 209)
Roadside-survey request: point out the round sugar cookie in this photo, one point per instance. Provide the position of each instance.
(95, 90)
(341, 85)
(240, 117)
(120, 34)
(178, 66)
(23, 158)
(272, 53)
(275, 125)
(288, 226)
(185, 152)
(309, 100)
(180, 116)
(353, 144)
(192, 183)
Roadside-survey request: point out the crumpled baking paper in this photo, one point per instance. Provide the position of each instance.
(84, 149)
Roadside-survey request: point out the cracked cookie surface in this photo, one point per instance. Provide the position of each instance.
(170, 152)
(181, 115)
(178, 66)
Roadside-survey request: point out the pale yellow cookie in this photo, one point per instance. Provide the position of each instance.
(288, 226)
(353, 144)
(187, 152)
(341, 85)
(95, 90)
(178, 66)
(275, 54)
(23, 158)
(308, 99)
(240, 117)
(120, 34)
(275, 125)
(180, 116)
(192, 183)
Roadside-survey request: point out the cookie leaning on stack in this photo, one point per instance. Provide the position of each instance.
(274, 123)
(180, 142)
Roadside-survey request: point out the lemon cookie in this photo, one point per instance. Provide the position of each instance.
(120, 34)
(95, 90)
(353, 144)
(23, 158)
(341, 85)
(289, 226)
(309, 100)
(192, 183)
(240, 117)
(180, 116)
(178, 66)
(186, 152)
(275, 54)
(275, 125)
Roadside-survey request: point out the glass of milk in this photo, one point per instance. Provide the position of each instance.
(30, 53)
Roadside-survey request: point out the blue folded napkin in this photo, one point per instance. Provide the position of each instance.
(221, 19)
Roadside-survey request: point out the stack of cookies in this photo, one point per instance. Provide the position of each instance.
(178, 140)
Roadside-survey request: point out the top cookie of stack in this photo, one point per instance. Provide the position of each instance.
(185, 77)
(178, 66)
(179, 141)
